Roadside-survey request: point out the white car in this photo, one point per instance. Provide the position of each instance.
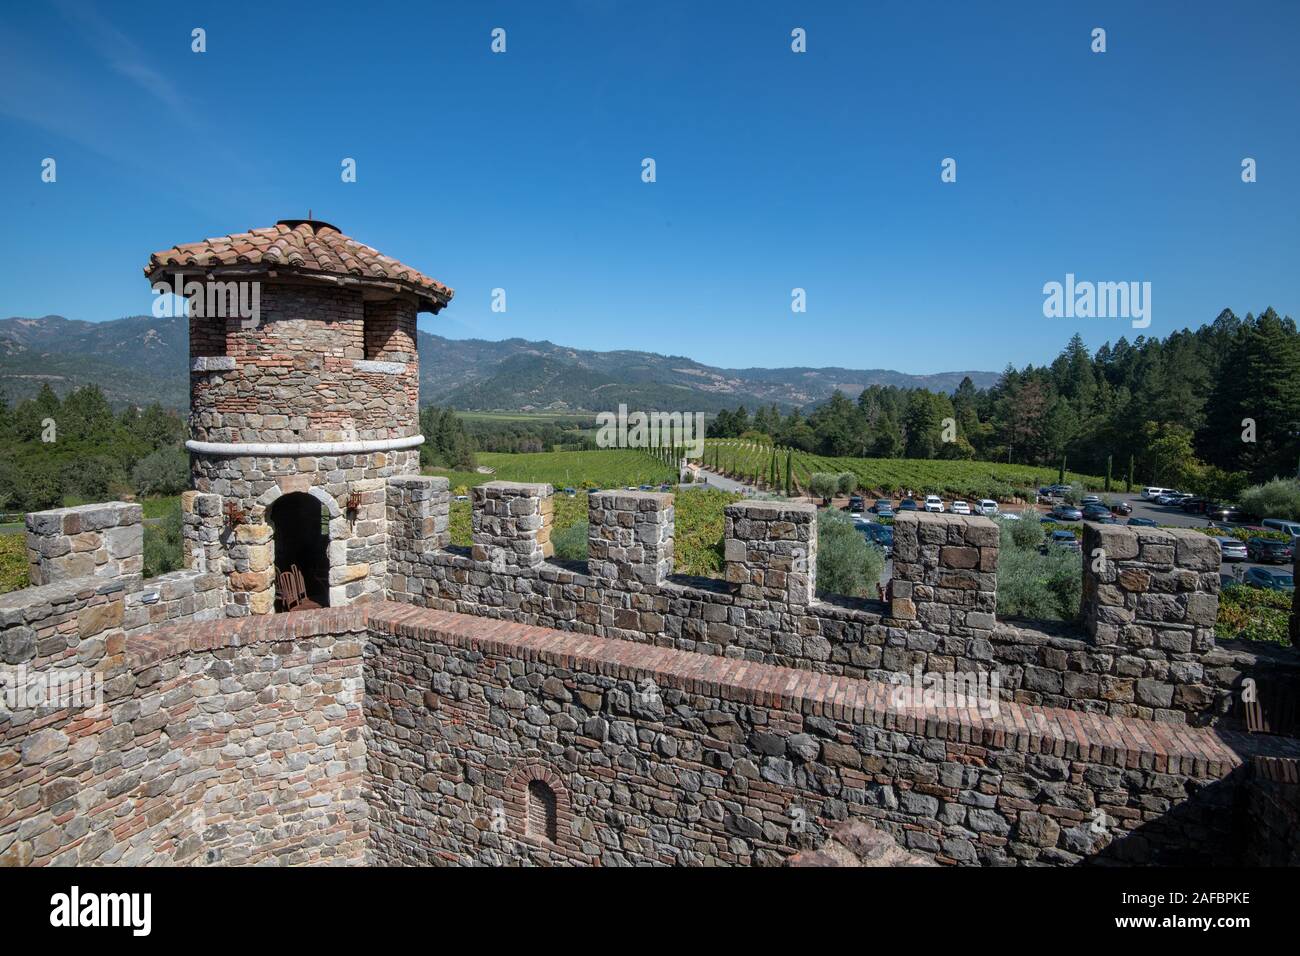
(987, 507)
(959, 508)
(933, 503)
(1008, 516)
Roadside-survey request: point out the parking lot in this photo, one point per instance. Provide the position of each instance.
(1161, 514)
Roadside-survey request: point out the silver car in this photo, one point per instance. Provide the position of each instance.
(1232, 549)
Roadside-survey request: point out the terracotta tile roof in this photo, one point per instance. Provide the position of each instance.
(303, 246)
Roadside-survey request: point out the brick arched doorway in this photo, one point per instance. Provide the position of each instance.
(301, 534)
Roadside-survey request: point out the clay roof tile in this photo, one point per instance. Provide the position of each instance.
(310, 246)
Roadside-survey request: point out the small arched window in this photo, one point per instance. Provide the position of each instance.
(541, 812)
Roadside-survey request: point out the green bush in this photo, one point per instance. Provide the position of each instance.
(846, 562)
(1279, 498)
(1253, 614)
(1045, 587)
(163, 472)
(162, 544)
(13, 562)
(823, 484)
(1025, 533)
(846, 483)
(571, 542)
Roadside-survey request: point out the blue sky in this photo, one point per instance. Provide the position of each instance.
(775, 170)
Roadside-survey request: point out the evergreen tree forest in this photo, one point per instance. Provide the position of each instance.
(1210, 410)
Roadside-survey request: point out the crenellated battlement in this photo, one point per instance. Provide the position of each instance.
(801, 684)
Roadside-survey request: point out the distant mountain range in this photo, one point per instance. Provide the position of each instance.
(142, 359)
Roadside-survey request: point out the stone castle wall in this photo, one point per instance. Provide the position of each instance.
(671, 720)
(218, 743)
(658, 756)
(1145, 647)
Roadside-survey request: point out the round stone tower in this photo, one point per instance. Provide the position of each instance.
(304, 390)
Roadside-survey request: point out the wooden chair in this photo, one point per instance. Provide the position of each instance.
(292, 590)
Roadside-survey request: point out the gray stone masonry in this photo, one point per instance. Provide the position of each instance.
(103, 541)
(512, 524)
(1150, 588)
(419, 522)
(771, 550)
(202, 526)
(630, 537)
(946, 572)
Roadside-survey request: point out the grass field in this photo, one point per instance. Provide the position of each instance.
(13, 562)
(699, 520)
(615, 468)
(970, 479)
(526, 416)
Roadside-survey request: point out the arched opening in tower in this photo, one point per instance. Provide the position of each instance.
(302, 568)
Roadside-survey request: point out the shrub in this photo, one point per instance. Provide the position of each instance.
(846, 563)
(1279, 498)
(13, 562)
(163, 547)
(1253, 614)
(823, 484)
(1046, 587)
(571, 543)
(846, 483)
(1025, 533)
(163, 472)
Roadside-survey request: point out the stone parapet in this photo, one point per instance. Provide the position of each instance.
(945, 572)
(101, 540)
(1150, 588)
(770, 550)
(630, 537)
(512, 524)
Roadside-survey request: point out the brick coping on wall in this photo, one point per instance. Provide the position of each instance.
(174, 640)
(1121, 742)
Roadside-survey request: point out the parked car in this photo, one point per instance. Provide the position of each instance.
(1011, 515)
(959, 508)
(1121, 508)
(1269, 550)
(879, 534)
(1229, 514)
(1169, 498)
(987, 507)
(883, 507)
(1152, 493)
(1063, 540)
(1232, 549)
(856, 504)
(1269, 580)
(933, 503)
(1095, 512)
(1141, 522)
(907, 504)
(571, 492)
(1090, 500)
(1066, 513)
(462, 498)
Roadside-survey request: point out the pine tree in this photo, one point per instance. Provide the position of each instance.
(1108, 464)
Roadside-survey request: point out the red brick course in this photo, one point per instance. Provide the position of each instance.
(1075, 735)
